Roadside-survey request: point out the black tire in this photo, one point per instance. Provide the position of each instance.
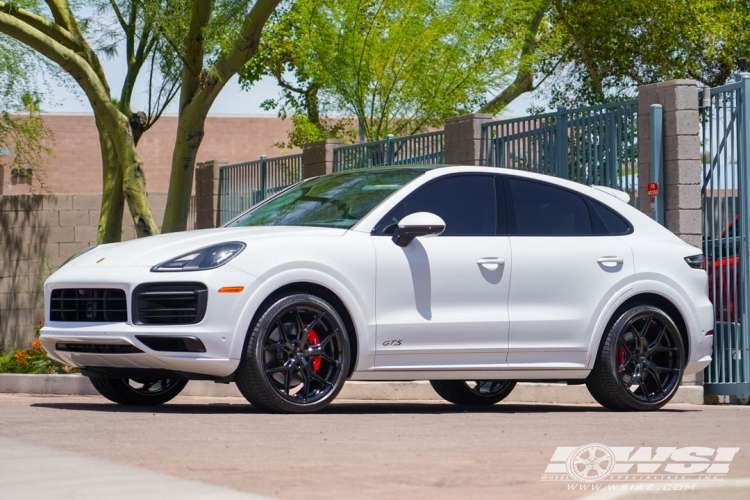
(473, 393)
(640, 362)
(297, 356)
(131, 393)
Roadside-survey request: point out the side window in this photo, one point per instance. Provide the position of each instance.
(614, 223)
(541, 209)
(467, 204)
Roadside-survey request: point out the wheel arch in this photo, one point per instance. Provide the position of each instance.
(324, 293)
(652, 299)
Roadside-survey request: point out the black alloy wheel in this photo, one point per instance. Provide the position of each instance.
(137, 393)
(473, 393)
(297, 356)
(640, 363)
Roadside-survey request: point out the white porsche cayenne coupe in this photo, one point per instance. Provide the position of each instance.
(470, 277)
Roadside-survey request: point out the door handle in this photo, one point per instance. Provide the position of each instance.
(610, 260)
(491, 263)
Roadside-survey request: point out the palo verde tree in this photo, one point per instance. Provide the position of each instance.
(397, 66)
(24, 139)
(593, 59)
(207, 41)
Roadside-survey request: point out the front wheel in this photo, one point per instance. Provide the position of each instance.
(297, 356)
(473, 393)
(131, 393)
(640, 362)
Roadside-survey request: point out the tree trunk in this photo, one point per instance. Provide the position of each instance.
(117, 126)
(190, 131)
(113, 199)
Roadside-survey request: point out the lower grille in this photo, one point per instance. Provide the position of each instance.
(88, 305)
(172, 344)
(169, 303)
(97, 348)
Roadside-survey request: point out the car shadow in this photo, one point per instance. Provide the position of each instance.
(343, 408)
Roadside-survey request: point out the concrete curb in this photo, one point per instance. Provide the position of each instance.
(375, 391)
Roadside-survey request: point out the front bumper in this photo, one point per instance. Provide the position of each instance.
(216, 330)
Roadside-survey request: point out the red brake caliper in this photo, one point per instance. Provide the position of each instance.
(620, 357)
(313, 339)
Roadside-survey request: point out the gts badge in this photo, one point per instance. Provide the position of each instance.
(391, 342)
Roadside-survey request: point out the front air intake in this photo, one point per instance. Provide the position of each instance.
(169, 303)
(104, 305)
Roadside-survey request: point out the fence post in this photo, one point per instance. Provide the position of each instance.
(389, 139)
(207, 194)
(317, 157)
(463, 139)
(561, 143)
(657, 156)
(263, 178)
(743, 163)
(612, 140)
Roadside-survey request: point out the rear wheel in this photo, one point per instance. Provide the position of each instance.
(132, 393)
(297, 356)
(473, 393)
(640, 362)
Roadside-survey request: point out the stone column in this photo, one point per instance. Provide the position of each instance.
(463, 139)
(317, 157)
(681, 146)
(207, 199)
(682, 164)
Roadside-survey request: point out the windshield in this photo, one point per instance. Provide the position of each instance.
(339, 200)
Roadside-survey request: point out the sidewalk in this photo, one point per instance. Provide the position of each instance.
(33, 472)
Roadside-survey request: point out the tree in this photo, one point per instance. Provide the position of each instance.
(397, 66)
(22, 130)
(210, 45)
(598, 59)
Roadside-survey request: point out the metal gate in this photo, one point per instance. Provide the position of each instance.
(242, 185)
(593, 145)
(725, 139)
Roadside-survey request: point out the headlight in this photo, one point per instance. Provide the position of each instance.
(77, 254)
(205, 258)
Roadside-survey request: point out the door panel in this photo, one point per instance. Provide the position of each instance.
(442, 301)
(560, 285)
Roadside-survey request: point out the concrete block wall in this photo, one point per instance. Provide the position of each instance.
(37, 233)
(681, 149)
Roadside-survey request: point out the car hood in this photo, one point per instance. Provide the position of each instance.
(154, 250)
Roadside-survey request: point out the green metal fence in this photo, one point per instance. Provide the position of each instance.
(242, 185)
(725, 138)
(593, 145)
(419, 149)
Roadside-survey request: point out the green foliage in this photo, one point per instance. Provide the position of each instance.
(398, 66)
(601, 51)
(32, 361)
(22, 128)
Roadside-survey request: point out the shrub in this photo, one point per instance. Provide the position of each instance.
(33, 360)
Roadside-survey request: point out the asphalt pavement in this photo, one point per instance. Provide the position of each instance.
(84, 447)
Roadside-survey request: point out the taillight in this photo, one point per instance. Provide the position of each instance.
(696, 261)
(710, 332)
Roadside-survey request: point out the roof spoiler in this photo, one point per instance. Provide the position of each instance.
(620, 195)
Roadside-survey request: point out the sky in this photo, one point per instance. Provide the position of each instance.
(231, 101)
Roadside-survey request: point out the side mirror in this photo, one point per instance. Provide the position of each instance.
(415, 225)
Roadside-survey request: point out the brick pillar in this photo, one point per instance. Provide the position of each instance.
(681, 146)
(207, 200)
(463, 139)
(682, 164)
(317, 157)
